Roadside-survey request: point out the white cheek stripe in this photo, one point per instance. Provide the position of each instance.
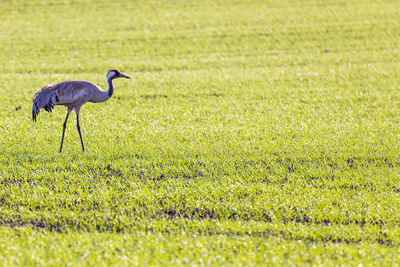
(110, 74)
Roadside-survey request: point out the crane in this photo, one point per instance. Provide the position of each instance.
(73, 94)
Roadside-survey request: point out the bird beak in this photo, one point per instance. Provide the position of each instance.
(124, 76)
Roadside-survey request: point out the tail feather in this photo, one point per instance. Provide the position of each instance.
(35, 112)
(43, 99)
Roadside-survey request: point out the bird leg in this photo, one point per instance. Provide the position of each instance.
(64, 126)
(79, 130)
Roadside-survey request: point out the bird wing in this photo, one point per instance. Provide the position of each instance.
(44, 98)
(68, 93)
(73, 92)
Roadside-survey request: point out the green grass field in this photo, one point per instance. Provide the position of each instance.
(251, 133)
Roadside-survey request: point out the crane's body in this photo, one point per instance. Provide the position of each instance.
(72, 94)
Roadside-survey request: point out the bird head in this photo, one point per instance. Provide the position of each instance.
(114, 74)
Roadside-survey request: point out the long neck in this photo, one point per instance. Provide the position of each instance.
(99, 95)
(110, 90)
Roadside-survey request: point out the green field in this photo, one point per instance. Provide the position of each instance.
(251, 133)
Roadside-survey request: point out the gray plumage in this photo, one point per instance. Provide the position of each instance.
(72, 94)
